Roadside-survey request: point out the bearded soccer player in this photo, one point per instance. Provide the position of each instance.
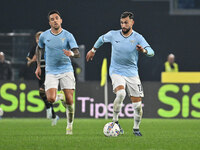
(59, 45)
(126, 44)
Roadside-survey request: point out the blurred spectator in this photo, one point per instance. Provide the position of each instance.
(27, 72)
(5, 67)
(170, 65)
(31, 57)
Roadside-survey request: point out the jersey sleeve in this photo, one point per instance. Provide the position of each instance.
(145, 45)
(107, 37)
(41, 41)
(72, 42)
(99, 42)
(143, 42)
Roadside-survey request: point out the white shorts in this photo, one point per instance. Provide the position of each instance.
(66, 80)
(134, 86)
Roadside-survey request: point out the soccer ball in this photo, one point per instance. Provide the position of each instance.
(1, 112)
(111, 129)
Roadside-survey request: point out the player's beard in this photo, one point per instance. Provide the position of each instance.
(126, 31)
(57, 27)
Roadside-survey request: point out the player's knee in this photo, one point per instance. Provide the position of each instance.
(51, 99)
(136, 99)
(69, 99)
(121, 94)
(69, 102)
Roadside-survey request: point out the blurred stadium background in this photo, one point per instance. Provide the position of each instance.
(170, 26)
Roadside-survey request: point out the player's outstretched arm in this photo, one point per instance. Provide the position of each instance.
(30, 61)
(38, 72)
(90, 54)
(97, 44)
(76, 53)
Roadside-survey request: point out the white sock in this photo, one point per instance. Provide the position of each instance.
(70, 115)
(137, 107)
(49, 113)
(115, 116)
(117, 105)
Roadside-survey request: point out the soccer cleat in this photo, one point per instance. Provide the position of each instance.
(49, 113)
(137, 132)
(54, 121)
(69, 130)
(121, 130)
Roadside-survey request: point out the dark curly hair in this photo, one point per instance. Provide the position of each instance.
(127, 14)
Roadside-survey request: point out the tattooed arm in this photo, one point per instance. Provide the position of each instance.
(76, 53)
(72, 53)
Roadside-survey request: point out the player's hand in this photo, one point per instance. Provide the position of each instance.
(90, 55)
(29, 62)
(141, 49)
(38, 72)
(67, 52)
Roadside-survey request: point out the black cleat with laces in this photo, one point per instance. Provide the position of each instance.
(137, 132)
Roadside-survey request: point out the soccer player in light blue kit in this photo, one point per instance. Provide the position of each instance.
(126, 43)
(59, 45)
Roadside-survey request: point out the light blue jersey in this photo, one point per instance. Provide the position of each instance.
(124, 55)
(56, 61)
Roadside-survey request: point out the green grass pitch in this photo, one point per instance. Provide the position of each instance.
(158, 134)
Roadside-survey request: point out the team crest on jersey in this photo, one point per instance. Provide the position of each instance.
(63, 39)
(132, 41)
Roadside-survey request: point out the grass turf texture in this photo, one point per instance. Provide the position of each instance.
(158, 134)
